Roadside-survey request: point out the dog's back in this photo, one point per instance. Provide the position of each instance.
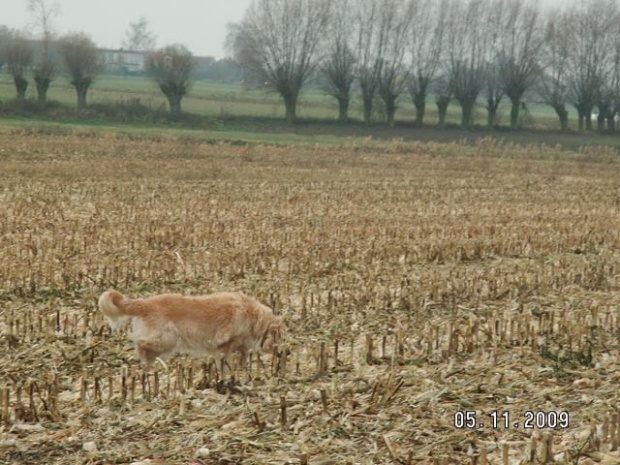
(205, 323)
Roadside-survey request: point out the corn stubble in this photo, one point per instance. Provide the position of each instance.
(417, 280)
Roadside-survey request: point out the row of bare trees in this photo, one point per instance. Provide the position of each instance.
(17, 53)
(468, 51)
(76, 54)
(170, 67)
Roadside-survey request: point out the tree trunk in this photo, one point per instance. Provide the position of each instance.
(563, 115)
(21, 85)
(600, 121)
(467, 109)
(611, 123)
(514, 112)
(343, 109)
(43, 85)
(290, 105)
(419, 101)
(367, 100)
(580, 120)
(174, 102)
(390, 109)
(81, 98)
(492, 107)
(492, 117)
(81, 88)
(588, 116)
(442, 109)
(603, 112)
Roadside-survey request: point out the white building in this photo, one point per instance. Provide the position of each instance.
(120, 60)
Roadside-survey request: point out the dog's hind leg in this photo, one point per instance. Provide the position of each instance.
(147, 353)
(158, 344)
(225, 348)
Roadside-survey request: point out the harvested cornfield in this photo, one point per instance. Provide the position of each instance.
(446, 304)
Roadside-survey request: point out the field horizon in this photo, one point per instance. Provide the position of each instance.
(136, 100)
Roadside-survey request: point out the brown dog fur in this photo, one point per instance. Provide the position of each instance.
(215, 324)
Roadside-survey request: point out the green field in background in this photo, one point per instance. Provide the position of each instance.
(234, 100)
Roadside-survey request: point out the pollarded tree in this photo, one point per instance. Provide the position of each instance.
(427, 42)
(554, 83)
(44, 70)
(18, 58)
(278, 41)
(369, 49)
(442, 88)
(466, 54)
(493, 92)
(614, 85)
(171, 67)
(44, 73)
(6, 37)
(338, 64)
(608, 71)
(493, 86)
(394, 24)
(592, 31)
(520, 41)
(82, 61)
(605, 92)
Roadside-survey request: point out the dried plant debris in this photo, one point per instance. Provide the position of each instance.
(443, 307)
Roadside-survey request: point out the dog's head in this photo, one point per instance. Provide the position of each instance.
(275, 333)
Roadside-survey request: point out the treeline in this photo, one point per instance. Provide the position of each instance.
(467, 51)
(470, 52)
(76, 55)
(172, 67)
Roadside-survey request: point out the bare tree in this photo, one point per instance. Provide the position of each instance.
(442, 88)
(44, 74)
(608, 71)
(83, 63)
(43, 12)
(369, 48)
(466, 54)
(338, 65)
(592, 22)
(614, 86)
(520, 40)
(5, 35)
(493, 87)
(6, 38)
(18, 59)
(605, 93)
(427, 43)
(171, 67)
(278, 40)
(554, 83)
(493, 92)
(138, 37)
(394, 26)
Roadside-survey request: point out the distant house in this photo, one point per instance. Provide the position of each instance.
(133, 62)
(123, 61)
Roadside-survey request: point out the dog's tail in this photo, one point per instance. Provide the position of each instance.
(113, 305)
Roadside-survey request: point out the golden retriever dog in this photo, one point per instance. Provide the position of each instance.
(215, 324)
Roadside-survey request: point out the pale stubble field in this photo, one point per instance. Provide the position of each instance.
(419, 282)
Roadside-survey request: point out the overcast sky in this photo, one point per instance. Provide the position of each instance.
(198, 24)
